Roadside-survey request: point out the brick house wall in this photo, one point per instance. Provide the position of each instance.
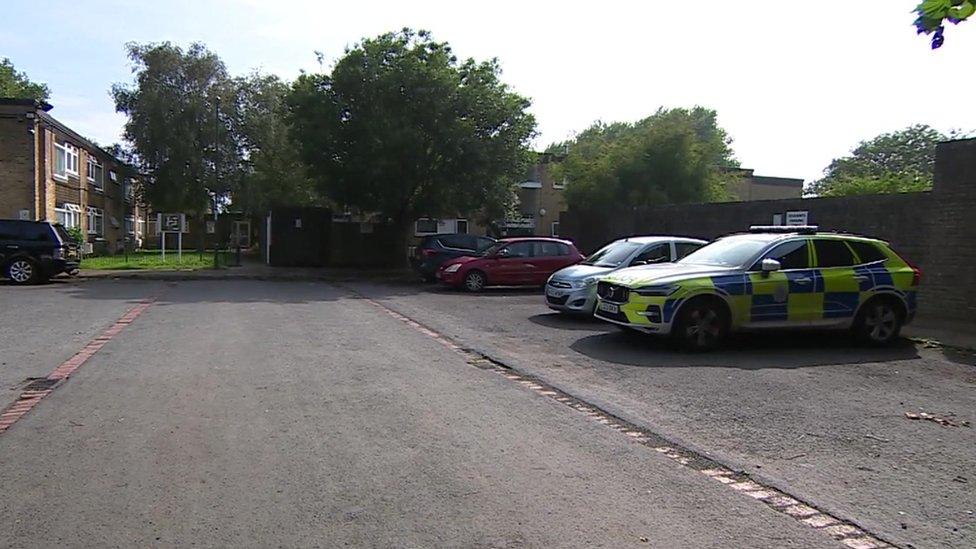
(29, 138)
(16, 164)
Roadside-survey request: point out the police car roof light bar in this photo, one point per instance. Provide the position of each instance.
(790, 229)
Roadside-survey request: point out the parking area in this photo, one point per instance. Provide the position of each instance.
(811, 412)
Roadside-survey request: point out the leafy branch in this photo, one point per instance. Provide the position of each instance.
(932, 15)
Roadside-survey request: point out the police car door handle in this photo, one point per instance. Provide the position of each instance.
(860, 278)
(802, 280)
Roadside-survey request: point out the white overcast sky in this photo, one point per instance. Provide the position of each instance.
(794, 83)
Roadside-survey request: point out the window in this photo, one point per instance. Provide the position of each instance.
(555, 228)
(70, 159)
(128, 189)
(60, 161)
(68, 215)
(685, 248)
(462, 226)
(36, 232)
(866, 252)
(113, 177)
(426, 226)
(833, 253)
(457, 241)
(130, 225)
(550, 249)
(659, 253)
(559, 185)
(96, 173)
(483, 243)
(518, 249)
(96, 221)
(791, 255)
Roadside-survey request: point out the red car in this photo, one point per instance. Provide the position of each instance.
(511, 262)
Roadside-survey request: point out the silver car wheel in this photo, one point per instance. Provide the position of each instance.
(881, 322)
(20, 271)
(474, 281)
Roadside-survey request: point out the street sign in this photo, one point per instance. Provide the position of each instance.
(797, 218)
(171, 223)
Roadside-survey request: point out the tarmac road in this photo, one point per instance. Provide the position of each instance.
(247, 413)
(808, 413)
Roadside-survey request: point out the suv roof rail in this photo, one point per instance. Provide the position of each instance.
(785, 229)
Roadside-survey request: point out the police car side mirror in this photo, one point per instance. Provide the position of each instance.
(770, 266)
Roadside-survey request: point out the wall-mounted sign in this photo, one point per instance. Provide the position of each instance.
(797, 218)
(170, 223)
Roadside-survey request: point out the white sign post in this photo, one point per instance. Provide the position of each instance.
(171, 223)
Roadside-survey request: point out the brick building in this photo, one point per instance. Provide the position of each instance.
(760, 187)
(50, 172)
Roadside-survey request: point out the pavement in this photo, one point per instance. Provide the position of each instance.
(254, 413)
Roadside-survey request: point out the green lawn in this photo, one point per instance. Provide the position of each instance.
(152, 261)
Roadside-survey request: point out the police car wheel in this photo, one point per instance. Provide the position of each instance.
(702, 326)
(474, 281)
(878, 323)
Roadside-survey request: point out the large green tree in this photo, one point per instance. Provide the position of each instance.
(180, 111)
(900, 161)
(402, 128)
(273, 173)
(17, 84)
(673, 156)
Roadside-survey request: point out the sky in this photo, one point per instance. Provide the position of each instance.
(795, 84)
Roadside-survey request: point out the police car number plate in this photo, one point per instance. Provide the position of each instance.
(609, 307)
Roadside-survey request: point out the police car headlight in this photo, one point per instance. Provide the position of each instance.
(657, 291)
(452, 268)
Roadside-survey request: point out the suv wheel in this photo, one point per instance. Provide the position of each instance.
(702, 325)
(879, 322)
(22, 271)
(475, 281)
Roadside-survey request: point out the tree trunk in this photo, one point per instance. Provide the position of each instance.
(401, 241)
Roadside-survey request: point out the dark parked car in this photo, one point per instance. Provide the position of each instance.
(511, 262)
(434, 250)
(33, 251)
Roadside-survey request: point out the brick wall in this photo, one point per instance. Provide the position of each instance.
(16, 164)
(935, 230)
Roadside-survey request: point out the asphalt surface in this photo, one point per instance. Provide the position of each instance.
(809, 413)
(247, 413)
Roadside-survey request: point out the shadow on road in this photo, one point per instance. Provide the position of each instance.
(574, 323)
(744, 351)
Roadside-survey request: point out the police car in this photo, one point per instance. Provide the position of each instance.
(770, 277)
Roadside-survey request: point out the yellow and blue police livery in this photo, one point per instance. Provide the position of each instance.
(771, 277)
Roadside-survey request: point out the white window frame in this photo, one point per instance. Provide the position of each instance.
(128, 189)
(96, 173)
(60, 152)
(96, 221)
(130, 224)
(417, 230)
(560, 186)
(71, 159)
(70, 215)
(555, 228)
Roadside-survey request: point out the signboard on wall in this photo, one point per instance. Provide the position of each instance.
(798, 218)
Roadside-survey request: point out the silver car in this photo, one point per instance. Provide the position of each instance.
(573, 289)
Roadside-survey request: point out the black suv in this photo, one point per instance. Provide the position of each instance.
(34, 251)
(435, 249)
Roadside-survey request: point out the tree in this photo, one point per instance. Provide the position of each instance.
(901, 161)
(179, 120)
(18, 85)
(274, 174)
(932, 15)
(401, 128)
(673, 156)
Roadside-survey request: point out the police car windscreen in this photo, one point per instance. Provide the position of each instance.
(612, 255)
(728, 252)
